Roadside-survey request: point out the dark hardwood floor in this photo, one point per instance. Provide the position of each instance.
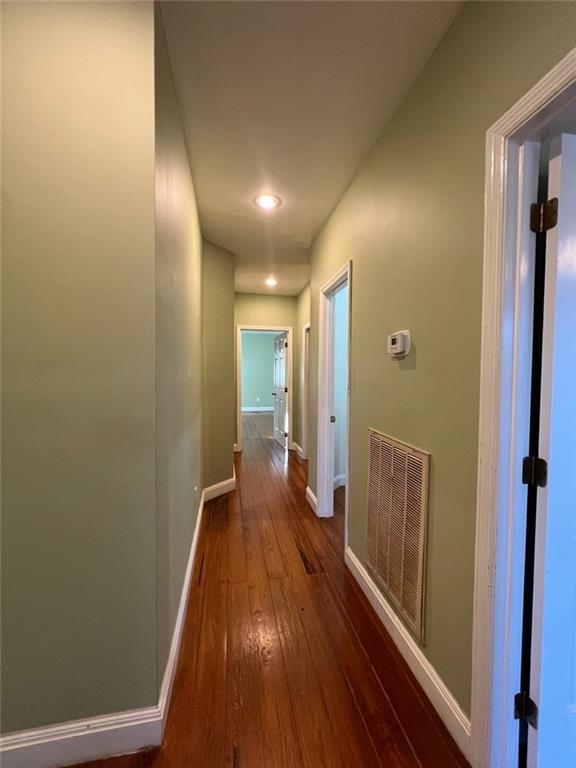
(284, 663)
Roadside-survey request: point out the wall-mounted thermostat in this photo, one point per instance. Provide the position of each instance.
(399, 344)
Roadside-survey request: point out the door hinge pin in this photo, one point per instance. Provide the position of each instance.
(534, 471)
(525, 709)
(544, 216)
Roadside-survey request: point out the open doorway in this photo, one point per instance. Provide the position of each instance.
(304, 390)
(340, 401)
(334, 398)
(524, 691)
(264, 383)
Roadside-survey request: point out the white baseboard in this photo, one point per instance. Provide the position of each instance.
(311, 499)
(339, 481)
(82, 740)
(258, 409)
(219, 489)
(298, 449)
(455, 720)
(172, 662)
(96, 738)
(237, 448)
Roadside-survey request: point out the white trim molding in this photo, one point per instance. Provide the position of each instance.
(121, 733)
(434, 687)
(237, 448)
(257, 409)
(304, 388)
(325, 442)
(311, 499)
(219, 489)
(298, 449)
(83, 740)
(496, 528)
(172, 663)
(339, 481)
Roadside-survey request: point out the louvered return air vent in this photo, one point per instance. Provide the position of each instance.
(397, 521)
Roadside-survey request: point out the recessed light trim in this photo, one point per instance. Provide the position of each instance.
(267, 202)
(271, 282)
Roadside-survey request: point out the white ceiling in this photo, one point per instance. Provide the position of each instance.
(288, 97)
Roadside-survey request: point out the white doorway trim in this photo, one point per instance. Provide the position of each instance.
(264, 329)
(325, 471)
(304, 389)
(501, 401)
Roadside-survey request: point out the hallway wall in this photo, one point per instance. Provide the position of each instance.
(412, 221)
(218, 391)
(78, 367)
(178, 352)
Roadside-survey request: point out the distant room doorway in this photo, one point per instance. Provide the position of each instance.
(264, 381)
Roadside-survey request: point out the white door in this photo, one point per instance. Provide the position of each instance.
(553, 662)
(280, 393)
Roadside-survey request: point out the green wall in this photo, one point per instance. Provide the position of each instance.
(218, 391)
(178, 352)
(257, 370)
(411, 222)
(102, 363)
(264, 309)
(78, 367)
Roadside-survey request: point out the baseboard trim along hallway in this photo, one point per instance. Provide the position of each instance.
(311, 499)
(299, 450)
(107, 735)
(219, 489)
(444, 703)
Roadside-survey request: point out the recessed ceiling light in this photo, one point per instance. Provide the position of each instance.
(271, 282)
(267, 202)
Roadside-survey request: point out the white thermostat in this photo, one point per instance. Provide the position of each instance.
(399, 344)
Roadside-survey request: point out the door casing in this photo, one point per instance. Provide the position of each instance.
(501, 446)
(325, 448)
(304, 389)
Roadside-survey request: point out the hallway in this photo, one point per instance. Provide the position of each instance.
(283, 662)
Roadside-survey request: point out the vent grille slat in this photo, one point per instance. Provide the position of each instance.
(397, 522)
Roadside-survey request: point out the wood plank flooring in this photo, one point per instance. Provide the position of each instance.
(284, 663)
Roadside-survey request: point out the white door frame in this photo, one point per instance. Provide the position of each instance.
(498, 546)
(264, 329)
(304, 389)
(325, 472)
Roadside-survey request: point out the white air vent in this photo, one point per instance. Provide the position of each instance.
(397, 521)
